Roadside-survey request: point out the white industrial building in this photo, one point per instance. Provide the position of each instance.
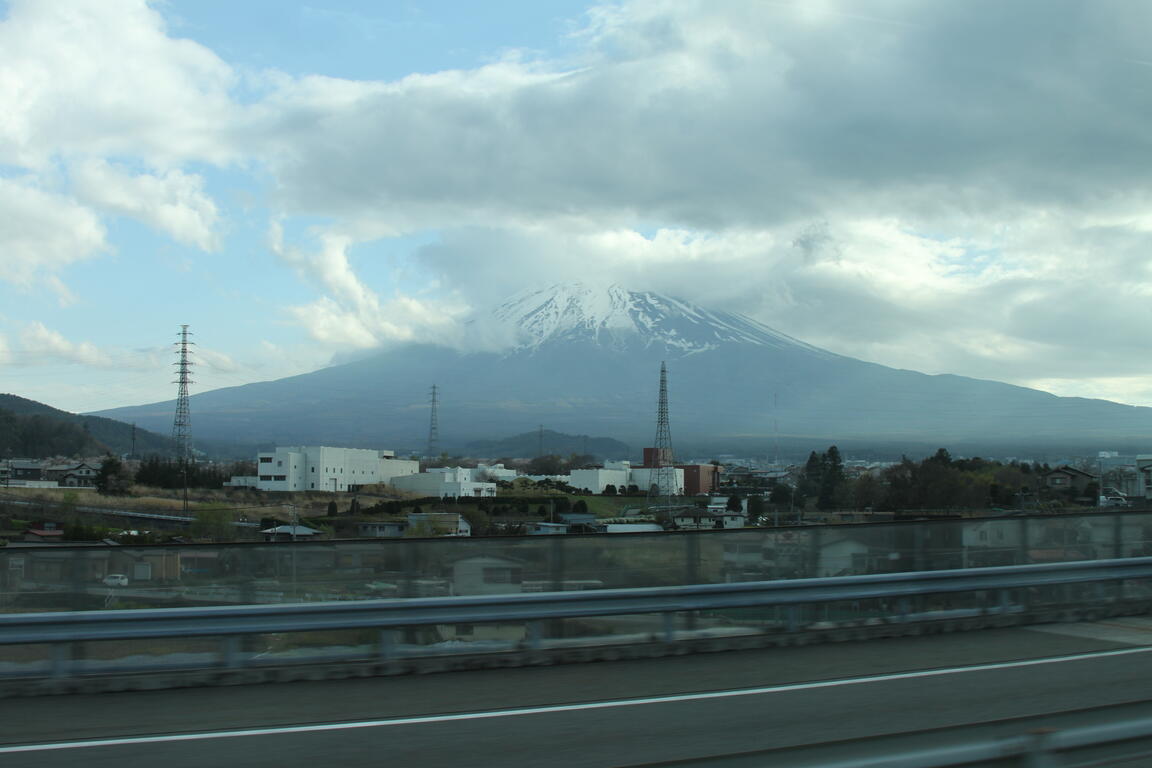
(445, 483)
(324, 468)
(596, 480)
(620, 474)
(641, 477)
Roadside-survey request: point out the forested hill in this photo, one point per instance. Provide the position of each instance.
(33, 430)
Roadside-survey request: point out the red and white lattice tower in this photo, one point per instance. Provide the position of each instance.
(662, 486)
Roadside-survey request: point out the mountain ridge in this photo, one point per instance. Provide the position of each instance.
(105, 434)
(586, 360)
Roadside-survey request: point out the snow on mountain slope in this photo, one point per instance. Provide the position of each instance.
(616, 317)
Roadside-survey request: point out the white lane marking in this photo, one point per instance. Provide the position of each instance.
(549, 709)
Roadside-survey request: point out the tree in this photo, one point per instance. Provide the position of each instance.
(580, 507)
(545, 465)
(609, 490)
(354, 507)
(735, 503)
(781, 495)
(831, 478)
(332, 509)
(213, 522)
(868, 492)
(942, 457)
(755, 509)
(113, 479)
(811, 478)
(477, 518)
(581, 461)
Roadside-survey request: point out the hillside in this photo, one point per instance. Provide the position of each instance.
(30, 429)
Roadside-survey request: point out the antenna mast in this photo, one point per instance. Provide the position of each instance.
(662, 481)
(182, 423)
(434, 424)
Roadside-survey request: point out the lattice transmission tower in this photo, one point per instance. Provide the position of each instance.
(182, 423)
(434, 423)
(662, 486)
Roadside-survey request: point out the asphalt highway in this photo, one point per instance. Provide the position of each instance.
(607, 714)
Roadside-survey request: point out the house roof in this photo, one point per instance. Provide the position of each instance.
(1066, 470)
(292, 530)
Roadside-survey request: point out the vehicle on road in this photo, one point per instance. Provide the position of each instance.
(116, 580)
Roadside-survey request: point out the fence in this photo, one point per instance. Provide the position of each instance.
(74, 577)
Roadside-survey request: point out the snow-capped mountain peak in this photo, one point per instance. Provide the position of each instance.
(616, 317)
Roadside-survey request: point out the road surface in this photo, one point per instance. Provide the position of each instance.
(607, 714)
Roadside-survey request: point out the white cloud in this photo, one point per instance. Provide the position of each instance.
(42, 232)
(746, 114)
(349, 314)
(171, 201)
(102, 77)
(84, 80)
(41, 345)
(214, 360)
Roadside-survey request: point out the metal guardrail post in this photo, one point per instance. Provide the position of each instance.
(556, 576)
(919, 544)
(556, 563)
(691, 570)
(533, 634)
(62, 659)
(410, 565)
(1022, 553)
(1039, 750)
(669, 620)
(384, 645)
(230, 655)
(691, 559)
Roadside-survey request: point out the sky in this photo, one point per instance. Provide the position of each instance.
(960, 186)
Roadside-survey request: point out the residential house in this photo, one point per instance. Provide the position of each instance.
(1065, 478)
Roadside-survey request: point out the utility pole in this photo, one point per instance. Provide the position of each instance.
(182, 423)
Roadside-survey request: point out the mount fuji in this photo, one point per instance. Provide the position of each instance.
(586, 360)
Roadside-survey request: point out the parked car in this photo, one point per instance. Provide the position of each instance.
(116, 580)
